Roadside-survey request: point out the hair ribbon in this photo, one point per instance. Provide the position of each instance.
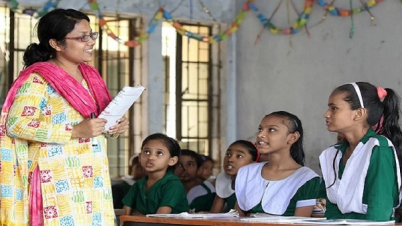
(382, 93)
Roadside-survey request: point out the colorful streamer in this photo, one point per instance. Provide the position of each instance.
(334, 11)
(163, 14)
(296, 26)
(49, 6)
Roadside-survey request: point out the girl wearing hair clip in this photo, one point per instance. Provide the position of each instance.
(282, 185)
(238, 154)
(362, 174)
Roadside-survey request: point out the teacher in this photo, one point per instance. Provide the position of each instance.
(53, 161)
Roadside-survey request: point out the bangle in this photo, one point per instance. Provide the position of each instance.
(113, 136)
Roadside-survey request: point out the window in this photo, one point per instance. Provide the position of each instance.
(118, 64)
(192, 72)
(12, 52)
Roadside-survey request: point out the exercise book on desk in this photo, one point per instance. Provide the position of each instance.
(268, 218)
(120, 105)
(277, 219)
(321, 221)
(196, 215)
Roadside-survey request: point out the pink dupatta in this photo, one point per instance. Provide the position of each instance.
(68, 87)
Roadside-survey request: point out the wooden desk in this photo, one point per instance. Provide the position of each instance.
(129, 220)
(153, 221)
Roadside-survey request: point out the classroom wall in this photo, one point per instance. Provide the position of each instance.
(273, 75)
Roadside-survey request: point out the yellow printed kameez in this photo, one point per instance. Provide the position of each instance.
(74, 175)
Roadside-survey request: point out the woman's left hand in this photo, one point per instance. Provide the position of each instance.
(120, 127)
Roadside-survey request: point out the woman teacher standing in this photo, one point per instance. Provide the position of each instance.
(54, 167)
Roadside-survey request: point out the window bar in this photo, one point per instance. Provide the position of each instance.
(119, 79)
(198, 92)
(10, 75)
(210, 96)
(179, 92)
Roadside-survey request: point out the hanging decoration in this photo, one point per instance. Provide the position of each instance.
(49, 6)
(211, 39)
(208, 11)
(335, 11)
(296, 26)
(352, 26)
(162, 13)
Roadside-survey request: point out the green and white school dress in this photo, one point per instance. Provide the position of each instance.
(368, 187)
(168, 191)
(224, 190)
(201, 197)
(281, 197)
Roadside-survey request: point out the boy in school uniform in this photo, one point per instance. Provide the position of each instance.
(200, 196)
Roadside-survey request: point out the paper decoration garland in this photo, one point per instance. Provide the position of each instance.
(49, 6)
(162, 13)
(334, 11)
(211, 39)
(297, 25)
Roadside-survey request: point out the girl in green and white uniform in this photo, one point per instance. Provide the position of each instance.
(238, 154)
(160, 191)
(282, 185)
(362, 173)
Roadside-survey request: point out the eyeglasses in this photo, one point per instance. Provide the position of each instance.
(85, 38)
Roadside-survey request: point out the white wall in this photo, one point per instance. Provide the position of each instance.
(273, 76)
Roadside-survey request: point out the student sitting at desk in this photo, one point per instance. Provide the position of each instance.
(160, 191)
(281, 186)
(362, 173)
(121, 188)
(205, 171)
(239, 153)
(200, 196)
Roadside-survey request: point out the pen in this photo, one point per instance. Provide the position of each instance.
(94, 143)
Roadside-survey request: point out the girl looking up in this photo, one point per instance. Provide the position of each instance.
(160, 191)
(282, 185)
(239, 153)
(362, 173)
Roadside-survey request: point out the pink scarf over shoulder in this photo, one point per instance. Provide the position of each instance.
(67, 87)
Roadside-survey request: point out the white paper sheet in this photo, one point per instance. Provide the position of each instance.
(120, 105)
(344, 222)
(266, 218)
(230, 214)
